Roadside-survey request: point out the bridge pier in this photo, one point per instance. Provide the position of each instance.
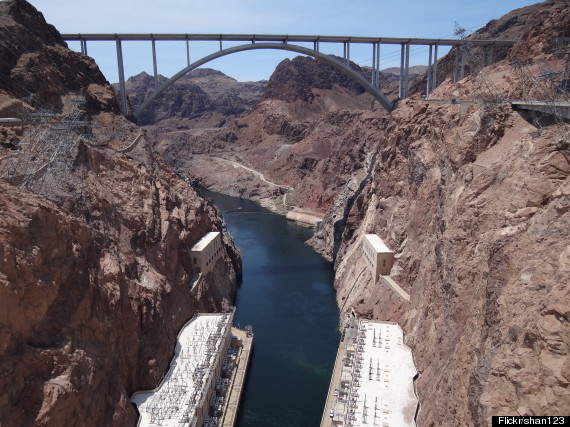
(429, 71)
(83, 46)
(378, 65)
(434, 72)
(346, 52)
(463, 54)
(402, 53)
(122, 89)
(375, 78)
(407, 72)
(187, 50)
(404, 70)
(155, 67)
(455, 65)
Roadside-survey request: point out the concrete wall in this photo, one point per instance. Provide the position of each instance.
(379, 262)
(204, 257)
(304, 218)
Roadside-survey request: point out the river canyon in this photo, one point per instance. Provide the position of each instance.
(98, 215)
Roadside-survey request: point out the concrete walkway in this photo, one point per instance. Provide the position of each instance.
(326, 420)
(396, 288)
(238, 379)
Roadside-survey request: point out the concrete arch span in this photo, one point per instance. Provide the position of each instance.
(281, 46)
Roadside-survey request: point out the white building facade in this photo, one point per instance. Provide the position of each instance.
(206, 252)
(379, 258)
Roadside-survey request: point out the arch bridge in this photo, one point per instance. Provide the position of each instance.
(288, 42)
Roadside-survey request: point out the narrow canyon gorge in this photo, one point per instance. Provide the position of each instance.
(471, 194)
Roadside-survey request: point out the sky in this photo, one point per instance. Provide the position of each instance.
(378, 18)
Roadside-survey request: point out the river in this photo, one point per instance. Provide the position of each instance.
(287, 296)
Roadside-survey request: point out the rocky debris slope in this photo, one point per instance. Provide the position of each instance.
(474, 200)
(202, 98)
(95, 234)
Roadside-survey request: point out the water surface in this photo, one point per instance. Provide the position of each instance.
(287, 296)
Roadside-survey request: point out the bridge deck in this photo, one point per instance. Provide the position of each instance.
(283, 38)
(561, 108)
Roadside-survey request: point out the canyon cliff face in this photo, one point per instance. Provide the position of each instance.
(476, 209)
(95, 232)
(311, 131)
(474, 199)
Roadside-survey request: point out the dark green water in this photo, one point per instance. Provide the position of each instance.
(287, 296)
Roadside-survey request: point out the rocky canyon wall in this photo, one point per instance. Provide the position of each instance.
(476, 208)
(95, 271)
(474, 200)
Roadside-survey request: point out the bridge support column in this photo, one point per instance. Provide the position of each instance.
(378, 65)
(83, 46)
(154, 65)
(375, 65)
(316, 46)
(407, 71)
(463, 54)
(373, 75)
(434, 72)
(484, 56)
(122, 90)
(346, 52)
(402, 54)
(455, 64)
(491, 52)
(187, 51)
(429, 71)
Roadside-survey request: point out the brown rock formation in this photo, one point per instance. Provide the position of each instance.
(36, 66)
(310, 132)
(482, 253)
(95, 272)
(202, 98)
(474, 200)
(95, 288)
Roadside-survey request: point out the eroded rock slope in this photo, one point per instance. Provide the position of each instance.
(474, 199)
(95, 233)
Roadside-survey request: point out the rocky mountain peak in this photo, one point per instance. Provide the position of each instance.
(202, 95)
(37, 67)
(296, 78)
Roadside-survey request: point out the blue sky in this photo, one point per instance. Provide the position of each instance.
(385, 18)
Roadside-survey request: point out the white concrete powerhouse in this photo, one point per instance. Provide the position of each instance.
(183, 396)
(206, 252)
(379, 258)
(373, 380)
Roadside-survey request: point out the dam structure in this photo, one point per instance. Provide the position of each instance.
(206, 376)
(373, 378)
